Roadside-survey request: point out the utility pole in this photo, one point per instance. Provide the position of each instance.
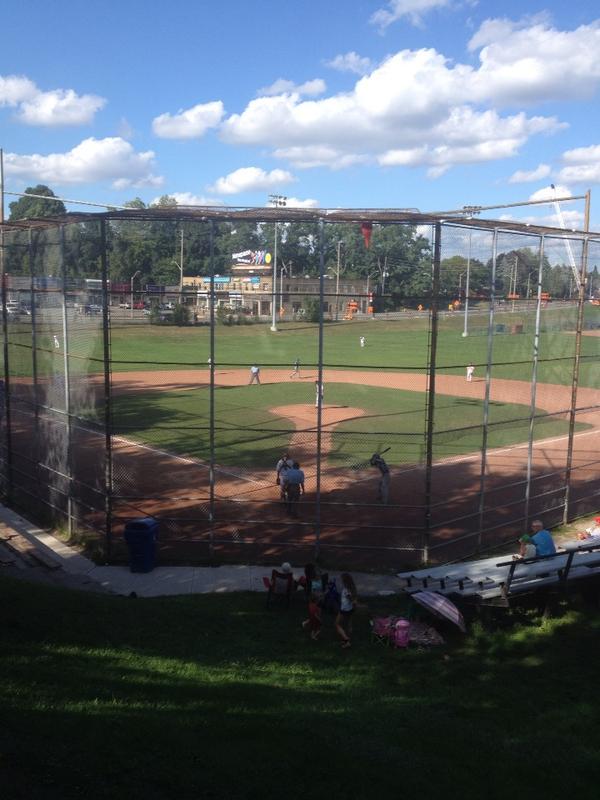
(275, 200)
(337, 280)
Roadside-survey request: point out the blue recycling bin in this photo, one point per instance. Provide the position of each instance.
(140, 535)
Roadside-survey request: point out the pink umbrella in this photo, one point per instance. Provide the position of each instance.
(441, 607)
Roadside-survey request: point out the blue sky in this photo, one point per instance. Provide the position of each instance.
(428, 104)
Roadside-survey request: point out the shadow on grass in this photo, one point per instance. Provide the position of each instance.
(214, 696)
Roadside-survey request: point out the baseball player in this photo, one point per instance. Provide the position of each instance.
(384, 481)
(296, 371)
(254, 375)
(319, 390)
(284, 463)
(470, 371)
(362, 341)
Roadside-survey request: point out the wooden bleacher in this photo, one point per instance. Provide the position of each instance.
(491, 581)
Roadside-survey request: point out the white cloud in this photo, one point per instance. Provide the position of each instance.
(414, 10)
(125, 130)
(549, 193)
(521, 62)
(60, 107)
(191, 123)
(573, 220)
(351, 62)
(251, 179)
(528, 176)
(319, 156)
(583, 165)
(283, 86)
(417, 107)
(295, 202)
(15, 89)
(189, 199)
(112, 159)
(48, 109)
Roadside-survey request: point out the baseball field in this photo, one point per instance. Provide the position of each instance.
(197, 451)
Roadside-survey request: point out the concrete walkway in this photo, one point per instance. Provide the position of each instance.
(162, 580)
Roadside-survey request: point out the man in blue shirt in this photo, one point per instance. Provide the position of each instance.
(292, 482)
(542, 539)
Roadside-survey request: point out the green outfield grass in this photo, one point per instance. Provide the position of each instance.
(247, 434)
(400, 344)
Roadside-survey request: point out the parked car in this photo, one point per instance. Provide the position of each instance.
(13, 309)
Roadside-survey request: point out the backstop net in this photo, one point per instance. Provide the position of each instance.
(435, 381)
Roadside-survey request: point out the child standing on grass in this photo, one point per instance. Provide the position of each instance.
(343, 621)
(313, 623)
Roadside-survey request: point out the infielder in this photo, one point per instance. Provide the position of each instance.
(254, 375)
(470, 371)
(384, 480)
(296, 371)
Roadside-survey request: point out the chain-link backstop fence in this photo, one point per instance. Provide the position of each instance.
(464, 353)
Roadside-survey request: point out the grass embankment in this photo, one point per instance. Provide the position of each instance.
(247, 434)
(214, 697)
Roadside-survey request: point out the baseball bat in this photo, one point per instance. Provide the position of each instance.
(362, 464)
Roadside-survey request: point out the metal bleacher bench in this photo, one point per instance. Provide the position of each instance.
(493, 581)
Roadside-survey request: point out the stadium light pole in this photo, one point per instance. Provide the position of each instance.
(275, 200)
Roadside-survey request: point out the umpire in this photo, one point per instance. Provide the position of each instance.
(292, 483)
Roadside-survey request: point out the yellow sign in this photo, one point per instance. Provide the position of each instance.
(267, 258)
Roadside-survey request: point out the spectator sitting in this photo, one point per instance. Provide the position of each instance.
(592, 532)
(527, 547)
(542, 539)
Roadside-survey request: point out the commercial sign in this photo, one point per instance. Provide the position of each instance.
(251, 258)
(151, 287)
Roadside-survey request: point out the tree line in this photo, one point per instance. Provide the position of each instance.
(397, 262)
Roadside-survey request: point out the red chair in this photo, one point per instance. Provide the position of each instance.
(279, 587)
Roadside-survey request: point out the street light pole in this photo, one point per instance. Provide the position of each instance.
(275, 200)
(133, 277)
(467, 290)
(337, 279)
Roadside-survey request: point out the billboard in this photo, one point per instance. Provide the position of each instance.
(257, 258)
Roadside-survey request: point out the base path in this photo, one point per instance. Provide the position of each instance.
(464, 496)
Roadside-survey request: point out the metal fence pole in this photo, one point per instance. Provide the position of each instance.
(6, 388)
(34, 360)
(211, 421)
(433, 317)
(534, 375)
(67, 379)
(575, 381)
(488, 384)
(108, 456)
(319, 388)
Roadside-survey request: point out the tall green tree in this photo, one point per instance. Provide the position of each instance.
(34, 207)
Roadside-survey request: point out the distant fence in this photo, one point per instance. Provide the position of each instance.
(111, 412)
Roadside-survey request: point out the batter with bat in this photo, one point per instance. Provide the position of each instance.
(384, 472)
